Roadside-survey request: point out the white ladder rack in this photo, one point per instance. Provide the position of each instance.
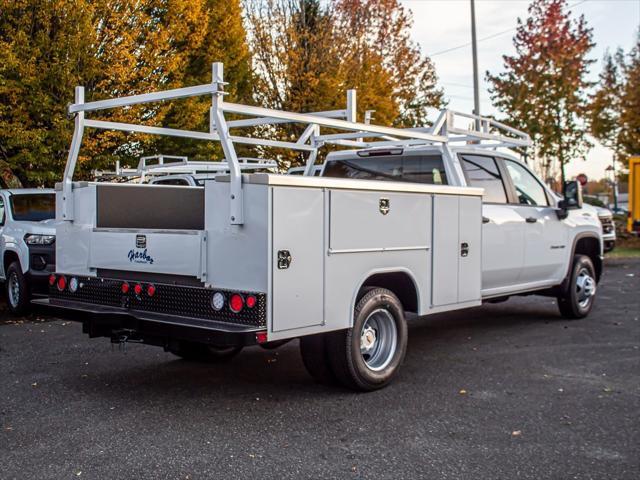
(353, 133)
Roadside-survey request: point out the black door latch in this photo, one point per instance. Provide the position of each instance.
(284, 259)
(464, 249)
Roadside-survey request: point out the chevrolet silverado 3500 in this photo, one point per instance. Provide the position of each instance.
(406, 222)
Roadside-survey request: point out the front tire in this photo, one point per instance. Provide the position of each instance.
(577, 301)
(17, 290)
(368, 356)
(200, 352)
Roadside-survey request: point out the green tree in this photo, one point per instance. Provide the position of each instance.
(542, 87)
(604, 111)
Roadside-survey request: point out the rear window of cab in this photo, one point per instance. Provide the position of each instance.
(427, 169)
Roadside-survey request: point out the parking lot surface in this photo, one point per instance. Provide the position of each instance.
(503, 391)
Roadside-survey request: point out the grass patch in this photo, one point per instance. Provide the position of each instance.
(624, 252)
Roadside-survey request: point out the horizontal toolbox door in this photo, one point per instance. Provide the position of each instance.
(178, 253)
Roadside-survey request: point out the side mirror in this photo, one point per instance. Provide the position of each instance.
(572, 192)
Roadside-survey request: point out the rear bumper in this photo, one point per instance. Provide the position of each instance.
(150, 327)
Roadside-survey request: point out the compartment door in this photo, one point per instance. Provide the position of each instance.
(470, 233)
(297, 258)
(446, 248)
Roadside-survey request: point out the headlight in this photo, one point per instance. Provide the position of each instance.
(36, 239)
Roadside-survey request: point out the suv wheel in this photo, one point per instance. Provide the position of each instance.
(17, 290)
(577, 300)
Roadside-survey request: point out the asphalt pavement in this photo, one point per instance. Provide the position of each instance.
(502, 391)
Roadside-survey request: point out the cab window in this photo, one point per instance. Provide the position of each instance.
(412, 168)
(529, 191)
(482, 171)
(1, 211)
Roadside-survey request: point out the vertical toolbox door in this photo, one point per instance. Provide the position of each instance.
(446, 248)
(297, 258)
(469, 263)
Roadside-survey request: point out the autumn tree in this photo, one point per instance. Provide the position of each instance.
(541, 89)
(376, 35)
(113, 48)
(629, 135)
(307, 54)
(223, 39)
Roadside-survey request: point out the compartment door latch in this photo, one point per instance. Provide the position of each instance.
(464, 249)
(284, 259)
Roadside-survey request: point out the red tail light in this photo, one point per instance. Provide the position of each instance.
(261, 337)
(137, 289)
(125, 287)
(151, 290)
(236, 302)
(251, 301)
(52, 280)
(62, 283)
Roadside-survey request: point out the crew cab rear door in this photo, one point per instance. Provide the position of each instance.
(502, 229)
(545, 234)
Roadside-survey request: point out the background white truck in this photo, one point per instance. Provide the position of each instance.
(27, 244)
(263, 258)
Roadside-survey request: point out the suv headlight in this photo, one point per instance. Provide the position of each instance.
(36, 239)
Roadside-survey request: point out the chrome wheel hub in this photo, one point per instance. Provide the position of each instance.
(14, 290)
(585, 287)
(378, 340)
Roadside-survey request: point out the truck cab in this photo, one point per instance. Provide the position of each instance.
(528, 243)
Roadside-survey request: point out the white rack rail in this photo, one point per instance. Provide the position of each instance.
(180, 165)
(353, 133)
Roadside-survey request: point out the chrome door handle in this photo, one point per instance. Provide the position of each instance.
(485, 220)
(532, 219)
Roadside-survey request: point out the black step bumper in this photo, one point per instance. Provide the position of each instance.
(150, 327)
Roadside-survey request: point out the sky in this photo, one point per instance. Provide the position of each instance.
(442, 25)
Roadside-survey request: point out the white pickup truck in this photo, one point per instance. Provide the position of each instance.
(27, 244)
(405, 222)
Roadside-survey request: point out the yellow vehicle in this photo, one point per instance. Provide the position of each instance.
(633, 223)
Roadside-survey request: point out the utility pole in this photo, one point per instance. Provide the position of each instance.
(474, 49)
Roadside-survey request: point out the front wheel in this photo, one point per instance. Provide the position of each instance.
(17, 290)
(577, 300)
(199, 352)
(368, 356)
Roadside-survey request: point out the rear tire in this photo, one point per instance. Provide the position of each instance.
(313, 349)
(200, 352)
(577, 301)
(368, 356)
(17, 290)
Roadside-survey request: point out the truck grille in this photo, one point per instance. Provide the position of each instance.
(193, 302)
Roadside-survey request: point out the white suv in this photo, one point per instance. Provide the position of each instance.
(27, 244)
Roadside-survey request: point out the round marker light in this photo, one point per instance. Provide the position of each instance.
(73, 285)
(236, 302)
(125, 287)
(217, 301)
(151, 290)
(52, 280)
(137, 289)
(251, 301)
(62, 283)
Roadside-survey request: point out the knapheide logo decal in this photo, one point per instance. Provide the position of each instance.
(136, 256)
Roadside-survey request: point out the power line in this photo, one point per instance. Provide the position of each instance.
(489, 37)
